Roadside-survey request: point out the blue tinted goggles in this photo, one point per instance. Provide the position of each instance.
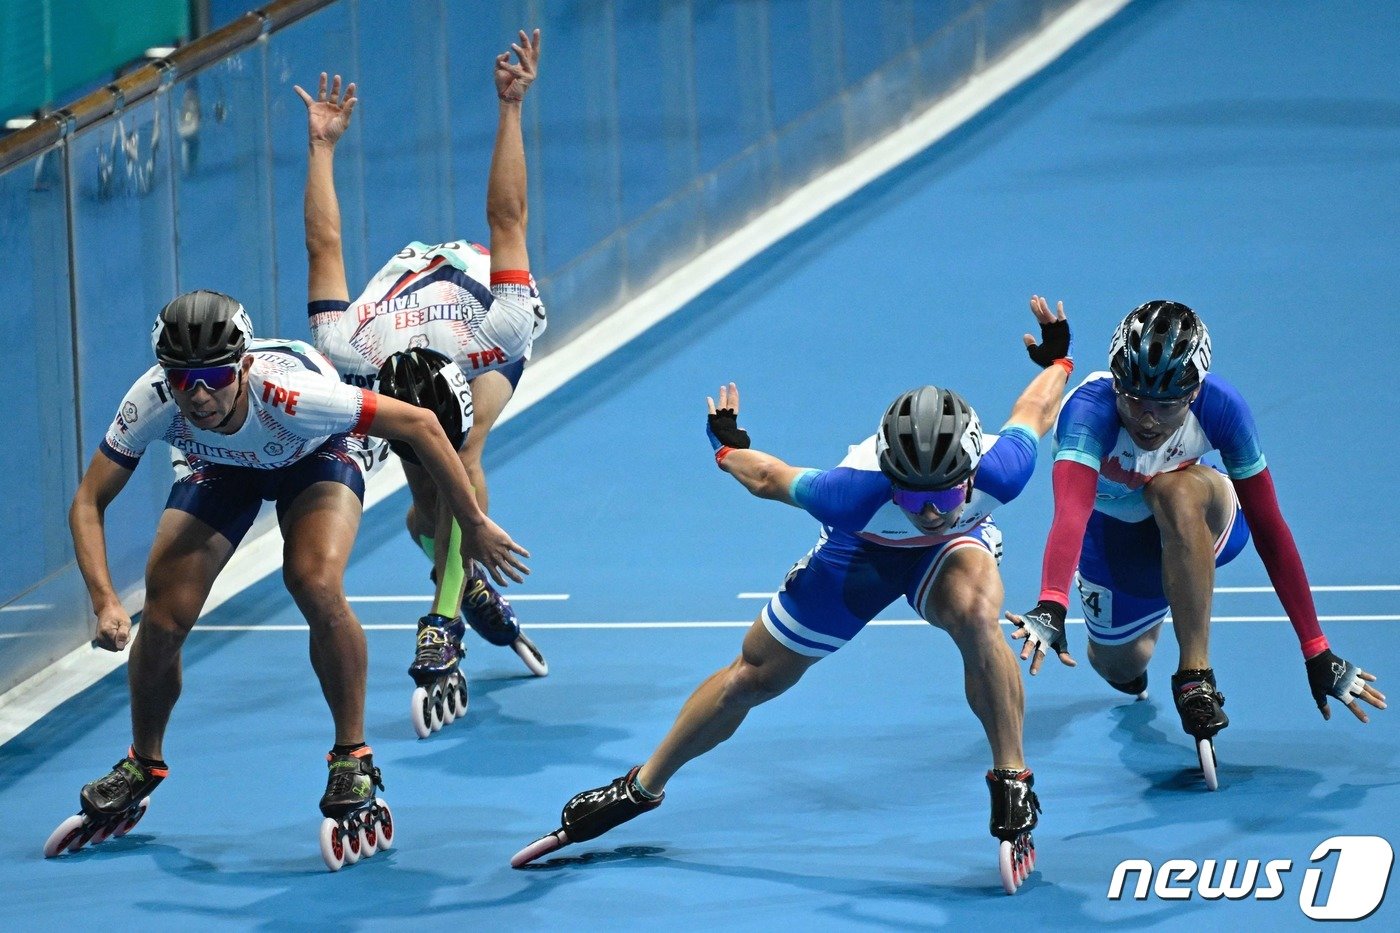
(943, 501)
(213, 377)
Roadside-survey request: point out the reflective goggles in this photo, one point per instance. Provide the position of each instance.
(943, 501)
(1161, 409)
(213, 377)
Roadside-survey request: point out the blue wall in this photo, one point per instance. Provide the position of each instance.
(656, 129)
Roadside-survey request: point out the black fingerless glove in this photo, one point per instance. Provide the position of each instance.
(1047, 623)
(1330, 676)
(724, 430)
(1055, 344)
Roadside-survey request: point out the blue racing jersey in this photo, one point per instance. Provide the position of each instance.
(1088, 431)
(856, 497)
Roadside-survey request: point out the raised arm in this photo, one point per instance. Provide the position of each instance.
(506, 207)
(327, 118)
(762, 474)
(86, 520)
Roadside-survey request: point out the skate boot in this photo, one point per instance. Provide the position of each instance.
(491, 617)
(357, 824)
(1015, 809)
(441, 692)
(111, 806)
(1136, 688)
(1200, 706)
(590, 814)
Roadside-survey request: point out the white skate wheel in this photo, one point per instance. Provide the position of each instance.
(129, 824)
(421, 712)
(65, 835)
(384, 824)
(350, 837)
(449, 704)
(369, 839)
(1205, 748)
(332, 846)
(1006, 863)
(540, 847)
(531, 656)
(437, 702)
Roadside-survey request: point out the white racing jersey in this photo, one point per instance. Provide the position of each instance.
(295, 404)
(435, 297)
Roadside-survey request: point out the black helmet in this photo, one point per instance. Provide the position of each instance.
(429, 380)
(929, 438)
(201, 328)
(1160, 351)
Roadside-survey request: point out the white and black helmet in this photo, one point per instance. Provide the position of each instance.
(929, 438)
(201, 328)
(1161, 350)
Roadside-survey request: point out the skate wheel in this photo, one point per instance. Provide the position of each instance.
(1205, 748)
(531, 655)
(128, 824)
(449, 704)
(540, 847)
(437, 704)
(350, 837)
(1006, 862)
(68, 832)
(332, 845)
(368, 838)
(421, 711)
(384, 822)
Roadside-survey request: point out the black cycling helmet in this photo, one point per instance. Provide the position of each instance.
(201, 328)
(429, 380)
(929, 438)
(1160, 351)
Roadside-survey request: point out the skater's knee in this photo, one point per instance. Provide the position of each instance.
(746, 684)
(967, 614)
(1119, 663)
(318, 591)
(1179, 502)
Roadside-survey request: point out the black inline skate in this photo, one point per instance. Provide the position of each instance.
(1015, 809)
(357, 824)
(111, 806)
(491, 617)
(1199, 704)
(590, 814)
(441, 692)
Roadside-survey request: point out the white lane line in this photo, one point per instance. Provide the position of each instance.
(428, 597)
(1229, 590)
(559, 626)
(32, 607)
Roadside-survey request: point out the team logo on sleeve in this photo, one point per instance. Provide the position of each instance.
(273, 449)
(418, 342)
(130, 413)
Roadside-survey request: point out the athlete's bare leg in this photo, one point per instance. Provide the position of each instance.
(1192, 508)
(764, 669)
(1122, 664)
(965, 601)
(319, 529)
(185, 558)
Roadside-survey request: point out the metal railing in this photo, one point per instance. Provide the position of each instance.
(51, 129)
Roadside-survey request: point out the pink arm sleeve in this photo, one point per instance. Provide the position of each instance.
(1074, 485)
(1279, 552)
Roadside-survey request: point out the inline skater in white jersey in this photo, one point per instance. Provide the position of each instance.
(907, 513)
(430, 304)
(1145, 524)
(257, 420)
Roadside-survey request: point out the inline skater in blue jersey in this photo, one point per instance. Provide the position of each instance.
(906, 514)
(452, 304)
(1146, 523)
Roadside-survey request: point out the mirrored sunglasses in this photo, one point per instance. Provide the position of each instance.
(213, 377)
(943, 501)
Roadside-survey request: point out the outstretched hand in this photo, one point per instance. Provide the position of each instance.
(1055, 341)
(513, 80)
(723, 424)
(328, 114)
(489, 544)
(1331, 676)
(1043, 629)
